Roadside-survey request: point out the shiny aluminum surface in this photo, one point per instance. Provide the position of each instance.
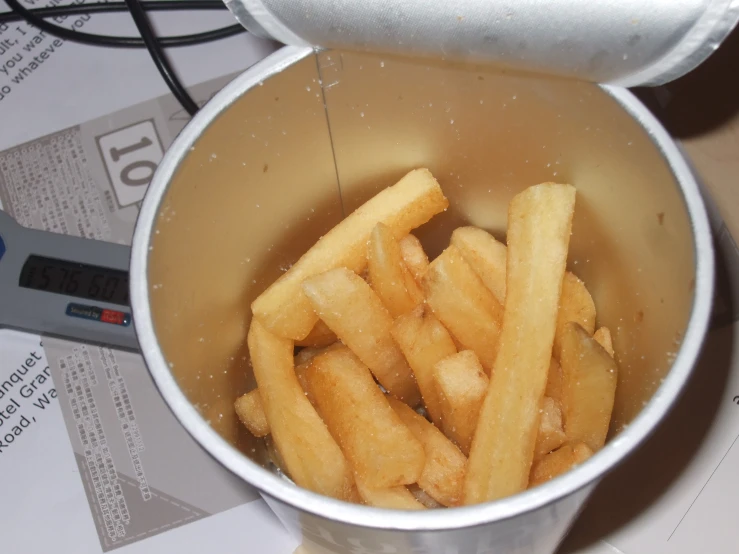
(622, 42)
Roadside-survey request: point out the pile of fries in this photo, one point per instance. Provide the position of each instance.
(423, 384)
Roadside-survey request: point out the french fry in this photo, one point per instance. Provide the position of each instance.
(486, 256)
(309, 352)
(389, 277)
(589, 377)
(354, 312)
(603, 337)
(461, 384)
(382, 451)
(443, 473)
(318, 337)
(575, 304)
(551, 435)
(284, 308)
(312, 457)
(539, 227)
(274, 455)
(464, 304)
(392, 498)
(301, 374)
(558, 462)
(414, 256)
(249, 406)
(424, 341)
(251, 413)
(423, 497)
(554, 381)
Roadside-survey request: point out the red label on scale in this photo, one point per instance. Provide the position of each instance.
(111, 316)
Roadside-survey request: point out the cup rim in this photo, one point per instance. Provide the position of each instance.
(377, 518)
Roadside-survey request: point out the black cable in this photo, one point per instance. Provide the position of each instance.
(159, 58)
(115, 41)
(110, 7)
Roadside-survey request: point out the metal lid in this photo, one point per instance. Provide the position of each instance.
(619, 42)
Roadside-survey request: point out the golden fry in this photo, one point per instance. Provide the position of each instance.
(392, 498)
(424, 341)
(389, 277)
(539, 227)
(318, 337)
(285, 310)
(251, 413)
(443, 474)
(558, 462)
(464, 305)
(603, 337)
(486, 256)
(312, 457)
(382, 450)
(355, 313)
(575, 304)
(551, 435)
(589, 377)
(461, 384)
(274, 456)
(554, 381)
(414, 256)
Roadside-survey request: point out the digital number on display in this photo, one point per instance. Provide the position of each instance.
(75, 279)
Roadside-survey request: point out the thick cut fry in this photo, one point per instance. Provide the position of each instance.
(461, 384)
(392, 498)
(310, 352)
(443, 474)
(414, 256)
(251, 413)
(307, 354)
(382, 450)
(539, 227)
(486, 256)
(388, 274)
(424, 341)
(464, 304)
(312, 457)
(354, 312)
(589, 378)
(285, 310)
(303, 360)
(551, 435)
(554, 381)
(274, 456)
(575, 304)
(558, 462)
(301, 373)
(603, 337)
(318, 337)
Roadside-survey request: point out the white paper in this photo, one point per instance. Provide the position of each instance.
(44, 506)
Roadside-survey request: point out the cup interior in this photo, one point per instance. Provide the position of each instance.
(297, 152)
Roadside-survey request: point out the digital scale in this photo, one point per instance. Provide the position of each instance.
(64, 286)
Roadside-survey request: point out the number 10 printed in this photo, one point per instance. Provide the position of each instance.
(131, 156)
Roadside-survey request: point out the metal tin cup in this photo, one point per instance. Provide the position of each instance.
(303, 138)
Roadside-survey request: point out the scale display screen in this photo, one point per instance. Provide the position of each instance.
(75, 279)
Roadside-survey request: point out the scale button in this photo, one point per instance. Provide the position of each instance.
(96, 313)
